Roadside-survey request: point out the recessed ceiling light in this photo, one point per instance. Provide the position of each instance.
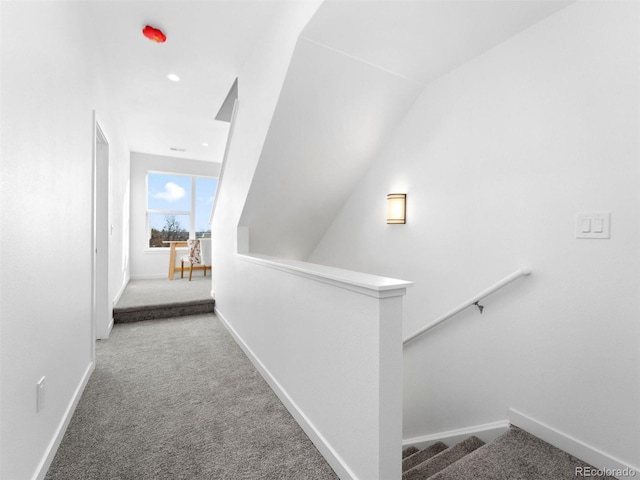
(205, 144)
(173, 77)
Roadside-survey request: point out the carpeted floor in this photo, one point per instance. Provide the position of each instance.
(514, 455)
(163, 291)
(177, 399)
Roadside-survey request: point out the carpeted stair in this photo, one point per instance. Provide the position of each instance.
(515, 455)
(167, 310)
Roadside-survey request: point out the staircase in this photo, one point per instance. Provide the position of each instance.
(515, 455)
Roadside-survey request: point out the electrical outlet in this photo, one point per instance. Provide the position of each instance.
(40, 395)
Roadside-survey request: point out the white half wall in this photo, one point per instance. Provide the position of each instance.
(147, 262)
(329, 343)
(497, 158)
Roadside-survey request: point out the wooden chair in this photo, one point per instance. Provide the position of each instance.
(193, 258)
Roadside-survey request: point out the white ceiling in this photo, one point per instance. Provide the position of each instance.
(423, 39)
(209, 41)
(207, 45)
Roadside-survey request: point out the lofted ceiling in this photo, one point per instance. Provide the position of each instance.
(208, 42)
(207, 45)
(355, 73)
(422, 39)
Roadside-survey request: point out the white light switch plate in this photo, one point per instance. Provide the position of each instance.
(593, 225)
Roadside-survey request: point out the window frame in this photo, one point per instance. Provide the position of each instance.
(190, 213)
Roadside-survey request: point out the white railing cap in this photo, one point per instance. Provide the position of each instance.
(366, 283)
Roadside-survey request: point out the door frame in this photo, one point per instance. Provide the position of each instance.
(102, 316)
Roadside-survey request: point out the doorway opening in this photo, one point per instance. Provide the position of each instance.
(101, 309)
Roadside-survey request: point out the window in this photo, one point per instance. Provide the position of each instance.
(178, 207)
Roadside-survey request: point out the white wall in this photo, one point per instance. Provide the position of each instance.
(146, 262)
(333, 115)
(497, 158)
(259, 85)
(49, 92)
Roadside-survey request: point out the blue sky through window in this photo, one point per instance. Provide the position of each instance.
(172, 193)
(169, 192)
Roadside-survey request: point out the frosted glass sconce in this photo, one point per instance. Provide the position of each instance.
(397, 208)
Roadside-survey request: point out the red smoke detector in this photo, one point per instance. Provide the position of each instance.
(154, 34)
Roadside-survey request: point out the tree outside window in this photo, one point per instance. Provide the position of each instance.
(178, 207)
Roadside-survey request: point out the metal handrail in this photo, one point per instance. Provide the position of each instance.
(472, 301)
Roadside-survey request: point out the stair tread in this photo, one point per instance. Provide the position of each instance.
(422, 455)
(409, 451)
(167, 310)
(443, 459)
(156, 306)
(515, 455)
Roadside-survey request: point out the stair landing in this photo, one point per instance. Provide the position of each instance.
(163, 298)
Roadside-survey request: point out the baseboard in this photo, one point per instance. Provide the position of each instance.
(148, 276)
(120, 292)
(321, 443)
(50, 453)
(575, 447)
(486, 432)
(115, 302)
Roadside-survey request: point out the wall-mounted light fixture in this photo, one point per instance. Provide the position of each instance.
(397, 208)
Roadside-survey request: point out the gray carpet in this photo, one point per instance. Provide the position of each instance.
(163, 291)
(436, 463)
(515, 455)
(177, 399)
(422, 455)
(162, 298)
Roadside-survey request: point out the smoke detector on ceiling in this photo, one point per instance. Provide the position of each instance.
(154, 34)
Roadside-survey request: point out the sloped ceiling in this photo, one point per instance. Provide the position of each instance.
(332, 117)
(421, 40)
(356, 71)
(207, 45)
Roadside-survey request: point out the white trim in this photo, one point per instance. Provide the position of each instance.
(51, 450)
(372, 285)
(321, 443)
(575, 447)
(227, 146)
(110, 327)
(101, 215)
(191, 213)
(120, 292)
(161, 250)
(172, 212)
(148, 276)
(486, 432)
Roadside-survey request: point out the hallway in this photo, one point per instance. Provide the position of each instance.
(509, 127)
(178, 399)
